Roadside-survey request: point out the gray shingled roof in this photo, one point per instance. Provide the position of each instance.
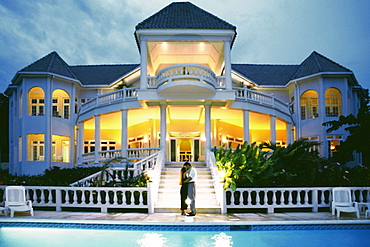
(317, 63)
(86, 74)
(280, 75)
(101, 74)
(183, 15)
(51, 63)
(266, 74)
(261, 74)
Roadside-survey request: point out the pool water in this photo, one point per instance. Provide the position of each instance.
(30, 237)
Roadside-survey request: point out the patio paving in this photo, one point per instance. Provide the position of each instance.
(171, 218)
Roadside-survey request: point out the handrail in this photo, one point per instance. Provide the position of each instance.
(140, 197)
(217, 184)
(301, 197)
(261, 98)
(135, 169)
(109, 98)
(187, 71)
(132, 154)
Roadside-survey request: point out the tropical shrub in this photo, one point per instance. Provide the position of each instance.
(245, 166)
(297, 165)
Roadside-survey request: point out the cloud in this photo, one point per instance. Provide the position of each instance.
(102, 32)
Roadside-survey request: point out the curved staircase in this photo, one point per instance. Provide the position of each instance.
(168, 200)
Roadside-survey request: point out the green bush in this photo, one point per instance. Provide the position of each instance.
(51, 177)
(292, 166)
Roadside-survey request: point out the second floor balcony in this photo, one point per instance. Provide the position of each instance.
(190, 79)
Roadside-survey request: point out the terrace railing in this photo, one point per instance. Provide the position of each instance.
(113, 173)
(142, 198)
(261, 98)
(109, 98)
(132, 154)
(272, 198)
(87, 197)
(217, 184)
(193, 72)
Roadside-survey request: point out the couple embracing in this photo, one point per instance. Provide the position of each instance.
(188, 177)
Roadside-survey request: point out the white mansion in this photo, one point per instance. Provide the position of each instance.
(184, 97)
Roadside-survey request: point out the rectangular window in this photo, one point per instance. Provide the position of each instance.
(66, 112)
(35, 147)
(333, 142)
(60, 148)
(36, 107)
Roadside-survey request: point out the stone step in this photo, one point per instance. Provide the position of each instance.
(168, 199)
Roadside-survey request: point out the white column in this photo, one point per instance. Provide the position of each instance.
(273, 129)
(80, 142)
(163, 140)
(124, 135)
(25, 101)
(227, 57)
(48, 117)
(322, 116)
(297, 106)
(143, 64)
(153, 133)
(246, 126)
(346, 109)
(72, 117)
(97, 138)
(207, 126)
(288, 133)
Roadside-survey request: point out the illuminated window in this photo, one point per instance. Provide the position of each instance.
(226, 140)
(309, 105)
(107, 145)
(36, 102)
(89, 146)
(61, 104)
(60, 148)
(333, 142)
(35, 147)
(137, 142)
(333, 103)
(313, 138)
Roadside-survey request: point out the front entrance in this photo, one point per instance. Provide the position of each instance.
(185, 149)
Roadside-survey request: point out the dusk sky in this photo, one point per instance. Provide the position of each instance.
(101, 31)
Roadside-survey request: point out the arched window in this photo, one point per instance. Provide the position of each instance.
(333, 102)
(61, 104)
(36, 102)
(309, 105)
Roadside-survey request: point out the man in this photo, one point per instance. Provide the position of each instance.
(192, 175)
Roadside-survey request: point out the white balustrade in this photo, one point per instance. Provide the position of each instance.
(87, 197)
(272, 198)
(109, 98)
(144, 198)
(261, 98)
(186, 72)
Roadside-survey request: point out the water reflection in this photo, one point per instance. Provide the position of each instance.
(222, 240)
(152, 239)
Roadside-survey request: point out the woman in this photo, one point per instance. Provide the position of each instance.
(184, 189)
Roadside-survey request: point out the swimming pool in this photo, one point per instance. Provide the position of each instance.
(72, 234)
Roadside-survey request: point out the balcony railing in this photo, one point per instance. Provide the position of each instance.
(261, 98)
(132, 154)
(109, 98)
(182, 72)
